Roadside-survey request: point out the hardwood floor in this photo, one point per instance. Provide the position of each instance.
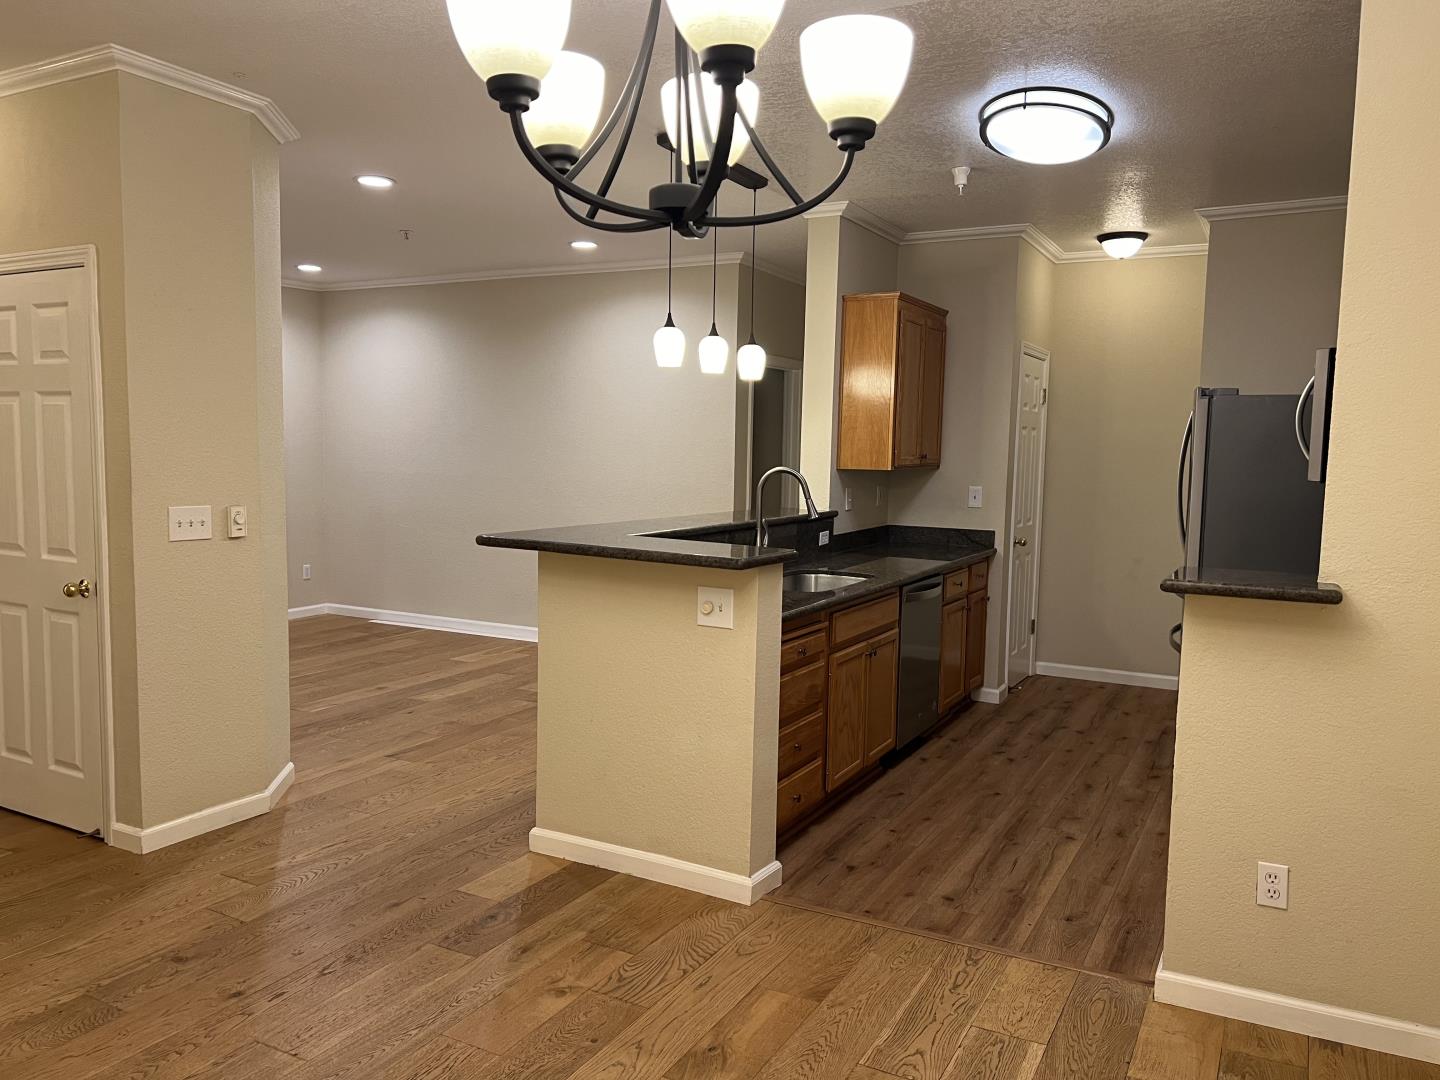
(387, 922)
(1039, 827)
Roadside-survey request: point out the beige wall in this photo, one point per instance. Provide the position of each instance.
(1125, 362)
(180, 196)
(1272, 297)
(304, 445)
(659, 734)
(1309, 736)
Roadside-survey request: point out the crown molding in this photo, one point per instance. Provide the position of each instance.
(854, 212)
(1271, 209)
(106, 58)
(727, 258)
(1172, 251)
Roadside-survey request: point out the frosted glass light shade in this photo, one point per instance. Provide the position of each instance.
(704, 89)
(669, 345)
(706, 23)
(1045, 125)
(750, 362)
(714, 353)
(1122, 245)
(510, 38)
(568, 107)
(855, 65)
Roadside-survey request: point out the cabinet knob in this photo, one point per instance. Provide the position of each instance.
(802, 651)
(795, 798)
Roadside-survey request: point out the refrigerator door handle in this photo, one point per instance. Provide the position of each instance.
(1299, 413)
(1181, 496)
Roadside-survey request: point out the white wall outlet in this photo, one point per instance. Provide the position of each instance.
(305, 571)
(189, 523)
(237, 522)
(824, 536)
(849, 502)
(1272, 885)
(977, 497)
(715, 607)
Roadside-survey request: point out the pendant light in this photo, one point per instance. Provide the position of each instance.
(714, 349)
(669, 340)
(854, 68)
(1122, 245)
(750, 359)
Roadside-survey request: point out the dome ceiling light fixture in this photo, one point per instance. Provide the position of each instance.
(1122, 245)
(1045, 125)
(854, 68)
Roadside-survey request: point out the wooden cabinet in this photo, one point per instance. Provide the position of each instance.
(845, 720)
(892, 382)
(978, 605)
(953, 685)
(880, 696)
(962, 634)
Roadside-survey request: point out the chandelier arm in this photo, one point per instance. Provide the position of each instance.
(779, 177)
(790, 211)
(719, 158)
(635, 83)
(606, 226)
(575, 191)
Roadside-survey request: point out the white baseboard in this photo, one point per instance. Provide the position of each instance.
(653, 867)
(417, 621)
(141, 841)
(1110, 675)
(992, 695)
(1383, 1033)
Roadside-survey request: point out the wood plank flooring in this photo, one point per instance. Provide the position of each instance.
(1039, 827)
(387, 922)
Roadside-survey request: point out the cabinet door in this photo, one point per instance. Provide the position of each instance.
(933, 390)
(953, 684)
(845, 718)
(979, 604)
(880, 695)
(910, 390)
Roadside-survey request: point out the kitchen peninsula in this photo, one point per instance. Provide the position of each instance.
(671, 654)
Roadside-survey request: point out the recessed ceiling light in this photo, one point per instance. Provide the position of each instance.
(584, 245)
(1045, 125)
(1122, 245)
(309, 268)
(373, 180)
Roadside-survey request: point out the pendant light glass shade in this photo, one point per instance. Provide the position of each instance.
(669, 345)
(510, 38)
(707, 23)
(747, 96)
(750, 362)
(1045, 125)
(714, 352)
(1122, 245)
(568, 107)
(855, 65)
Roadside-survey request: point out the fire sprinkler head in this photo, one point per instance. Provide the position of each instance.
(961, 175)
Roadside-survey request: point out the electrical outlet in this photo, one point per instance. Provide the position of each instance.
(305, 571)
(879, 494)
(1272, 885)
(824, 536)
(977, 496)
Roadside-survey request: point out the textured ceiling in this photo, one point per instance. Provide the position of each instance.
(1218, 102)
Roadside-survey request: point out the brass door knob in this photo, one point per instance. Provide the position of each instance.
(1020, 541)
(76, 588)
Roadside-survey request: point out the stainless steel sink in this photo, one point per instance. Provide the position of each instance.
(812, 582)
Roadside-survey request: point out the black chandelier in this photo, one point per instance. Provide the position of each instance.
(854, 68)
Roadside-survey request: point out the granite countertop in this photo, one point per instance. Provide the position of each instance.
(664, 540)
(1252, 585)
(886, 565)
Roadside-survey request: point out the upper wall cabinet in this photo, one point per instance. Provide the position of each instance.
(892, 377)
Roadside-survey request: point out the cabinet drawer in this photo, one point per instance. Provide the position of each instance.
(799, 794)
(801, 692)
(803, 647)
(957, 584)
(865, 620)
(979, 575)
(801, 743)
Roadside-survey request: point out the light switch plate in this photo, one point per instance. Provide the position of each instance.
(237, 522)
(824, 536)
(977, 496)
(714, 607)
(190, 523)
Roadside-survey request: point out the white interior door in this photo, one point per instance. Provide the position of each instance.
(50, 731)
(1025, 502)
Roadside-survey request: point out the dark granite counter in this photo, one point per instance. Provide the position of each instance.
(1251, 585)
(697, 540)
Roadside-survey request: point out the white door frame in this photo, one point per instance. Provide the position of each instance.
(1043, 355)
(82, 258)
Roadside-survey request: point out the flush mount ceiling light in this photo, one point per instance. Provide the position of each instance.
(1045, 125)
(374, 180)
(584, 245)
(854, 67)
(1122, 245)
(309, 268)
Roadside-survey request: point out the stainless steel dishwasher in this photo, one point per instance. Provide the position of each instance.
(917, 708)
